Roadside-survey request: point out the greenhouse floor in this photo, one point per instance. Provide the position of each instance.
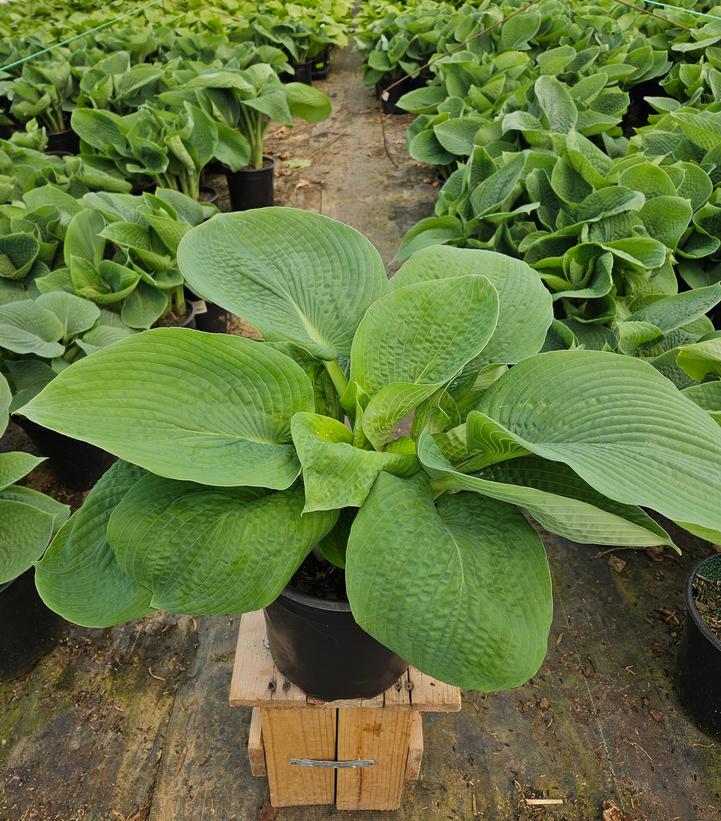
(133, 723)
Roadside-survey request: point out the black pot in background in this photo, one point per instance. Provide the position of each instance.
(209, 317)
(320, 66)
(396, 89)
(78, 465)
(214, 319)
(698, 667)
(303, 72)
(66, 140)
(251, 187)
(29, 629)
(319, 646)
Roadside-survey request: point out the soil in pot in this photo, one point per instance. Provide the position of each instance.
(66, 140)
(174, 320)
(78, 465)
(29, 628)
(208, 194)
(318, 645)
(707, 594)
(698, 677)
(251, 187)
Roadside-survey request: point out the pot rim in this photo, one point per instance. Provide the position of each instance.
(266, 159)
(4, 586)
(693, 612)
(315, 602)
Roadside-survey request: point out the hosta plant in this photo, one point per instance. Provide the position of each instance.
(244, 103)
(114, 249)
(240, 457)
(28, 518)
(171, 148)
(41, 337)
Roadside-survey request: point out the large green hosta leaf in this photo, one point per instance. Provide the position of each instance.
(460, 589)
(25, 531)
(621, 426)
(525, 307)
(15, 465)
(204, 550)
(210, 408)
(552, 493)
(5, 400)
(295, 275)
(79, 576)
(27, 327)
(336, 474)
(414, 340)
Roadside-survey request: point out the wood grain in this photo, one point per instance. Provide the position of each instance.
(380, 735)
(308, 733)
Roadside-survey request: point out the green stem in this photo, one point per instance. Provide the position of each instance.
(440, 486)
(253, 125)
(340, 382)
(179, 300)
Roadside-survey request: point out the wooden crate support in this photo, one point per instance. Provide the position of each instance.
(291, 733)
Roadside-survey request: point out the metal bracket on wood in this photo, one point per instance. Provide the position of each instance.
(335, 765)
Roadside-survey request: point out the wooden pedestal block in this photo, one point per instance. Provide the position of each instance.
(355, 754)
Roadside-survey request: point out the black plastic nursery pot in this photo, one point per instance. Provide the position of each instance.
(77, 464)
(29, 628)
(251, 187)
(395, 89)
(319, 646)
(698, 671)
(213, 319)
(320, 66)
(303, 72)
(209, 317)
(66, 140)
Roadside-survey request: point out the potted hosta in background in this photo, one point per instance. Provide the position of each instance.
(39, 338)
(272, 474)
(245, 103)
(28, 519)
(699, 658)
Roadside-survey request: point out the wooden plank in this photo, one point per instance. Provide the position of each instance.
(256, 752)
(397, 696)
(430, 695)
(255, 679)
(381, 735)
(415, 749)
(308, 733)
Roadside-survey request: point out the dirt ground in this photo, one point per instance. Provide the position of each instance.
(133, 723)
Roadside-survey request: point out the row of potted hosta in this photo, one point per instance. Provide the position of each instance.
(303, 31)
(584, 142)
(91, 216)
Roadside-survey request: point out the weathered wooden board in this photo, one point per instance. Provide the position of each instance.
(382, 736)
